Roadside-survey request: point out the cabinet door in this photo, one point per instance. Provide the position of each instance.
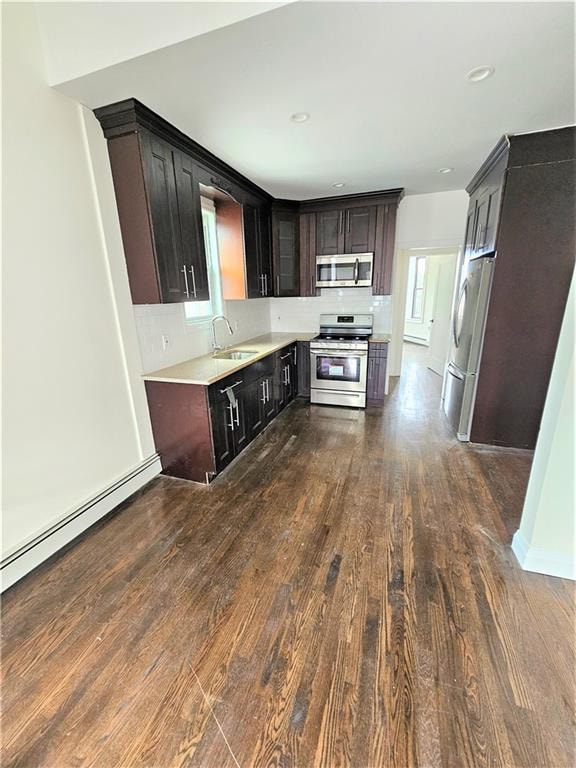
(265, 249)
(286, 253)
(222, 433)
(384, 249)
(376, 375)
(242, 434)
(270, 408)
(360, 229)
(165, 222)
(330, 232)
(191, 230)
(304, 368)
(251, 226)
(481, 227)
(307, 226)
(494, 196)
(254, 395)
(470, 228)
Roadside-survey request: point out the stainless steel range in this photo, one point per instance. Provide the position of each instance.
(339, 360)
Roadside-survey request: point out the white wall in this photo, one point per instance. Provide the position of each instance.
(73, 418)
(546, 539)
(435, 220)
(185, 340)
(303, 314)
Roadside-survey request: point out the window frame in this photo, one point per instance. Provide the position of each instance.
(215, 301)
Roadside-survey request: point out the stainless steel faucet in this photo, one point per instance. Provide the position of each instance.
(215, 344)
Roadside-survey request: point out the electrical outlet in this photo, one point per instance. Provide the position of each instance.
(165, 342)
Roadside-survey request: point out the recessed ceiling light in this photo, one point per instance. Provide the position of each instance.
(339, 185)
(299, 117)
(479, 73)
(445, 170)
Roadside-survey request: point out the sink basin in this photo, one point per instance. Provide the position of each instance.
(235, 354)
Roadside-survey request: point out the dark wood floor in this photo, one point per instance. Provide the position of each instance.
(344, 595)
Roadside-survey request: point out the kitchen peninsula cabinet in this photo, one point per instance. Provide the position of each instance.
(199, 429)
(376, 375)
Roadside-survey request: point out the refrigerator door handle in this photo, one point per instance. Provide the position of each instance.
(461, 298)
(453, 371)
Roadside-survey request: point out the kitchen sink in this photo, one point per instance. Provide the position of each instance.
(235, 354)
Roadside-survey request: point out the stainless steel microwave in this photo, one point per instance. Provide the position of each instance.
(344, 269)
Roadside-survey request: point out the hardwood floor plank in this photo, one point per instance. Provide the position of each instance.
(343, 595)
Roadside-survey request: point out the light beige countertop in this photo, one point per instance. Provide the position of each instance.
(207, 369)
(380, 338)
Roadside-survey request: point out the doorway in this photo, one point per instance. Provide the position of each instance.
(430, 280)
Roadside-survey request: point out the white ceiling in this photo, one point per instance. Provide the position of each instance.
(81, 37)
(384, 84)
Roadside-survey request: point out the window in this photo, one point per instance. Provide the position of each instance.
(200, 311)
(416, 277)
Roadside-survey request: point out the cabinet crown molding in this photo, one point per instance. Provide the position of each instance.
(131, 116)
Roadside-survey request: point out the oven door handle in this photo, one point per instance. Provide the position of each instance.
(336, 353)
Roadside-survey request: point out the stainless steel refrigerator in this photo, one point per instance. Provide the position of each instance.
(468, 325)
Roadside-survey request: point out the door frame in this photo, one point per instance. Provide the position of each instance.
(399, 288)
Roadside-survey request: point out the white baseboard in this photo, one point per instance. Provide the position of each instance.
(542, 560)
(28, 557)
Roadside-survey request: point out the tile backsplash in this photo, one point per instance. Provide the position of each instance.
(303, 314)
(185, 340)
(248, 318)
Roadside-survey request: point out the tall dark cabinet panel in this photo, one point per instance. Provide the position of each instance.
(535, 251)
(257, 250)
(161, 185)
(191, 230)
(308, 254)
(286, 249)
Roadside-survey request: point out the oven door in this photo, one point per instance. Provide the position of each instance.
(342, 370)
(353, 269)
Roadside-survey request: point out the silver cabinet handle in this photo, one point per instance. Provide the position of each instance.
(186, 282)
(340, 222)
(237, 414)
(283, 357)
(266, 284)
(267, 382)
(288, 374)
(348, 220)
(294, 354)
(262, 281)
(263, 398)
(193, 276)
(277, 285)
(231, 408)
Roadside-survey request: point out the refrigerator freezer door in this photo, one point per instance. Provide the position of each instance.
(470, 315)
(459, 395)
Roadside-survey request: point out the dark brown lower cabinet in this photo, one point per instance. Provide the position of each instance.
(198, 430)
(376, 381)
(303, 357)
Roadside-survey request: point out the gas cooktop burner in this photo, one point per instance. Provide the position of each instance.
(332, 337)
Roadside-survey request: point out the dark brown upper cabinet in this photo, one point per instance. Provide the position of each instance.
(191, 230)
(286, 249)
(329, 232)
(353, 224)
(157, 172)
(160, 218)
(256, 221)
